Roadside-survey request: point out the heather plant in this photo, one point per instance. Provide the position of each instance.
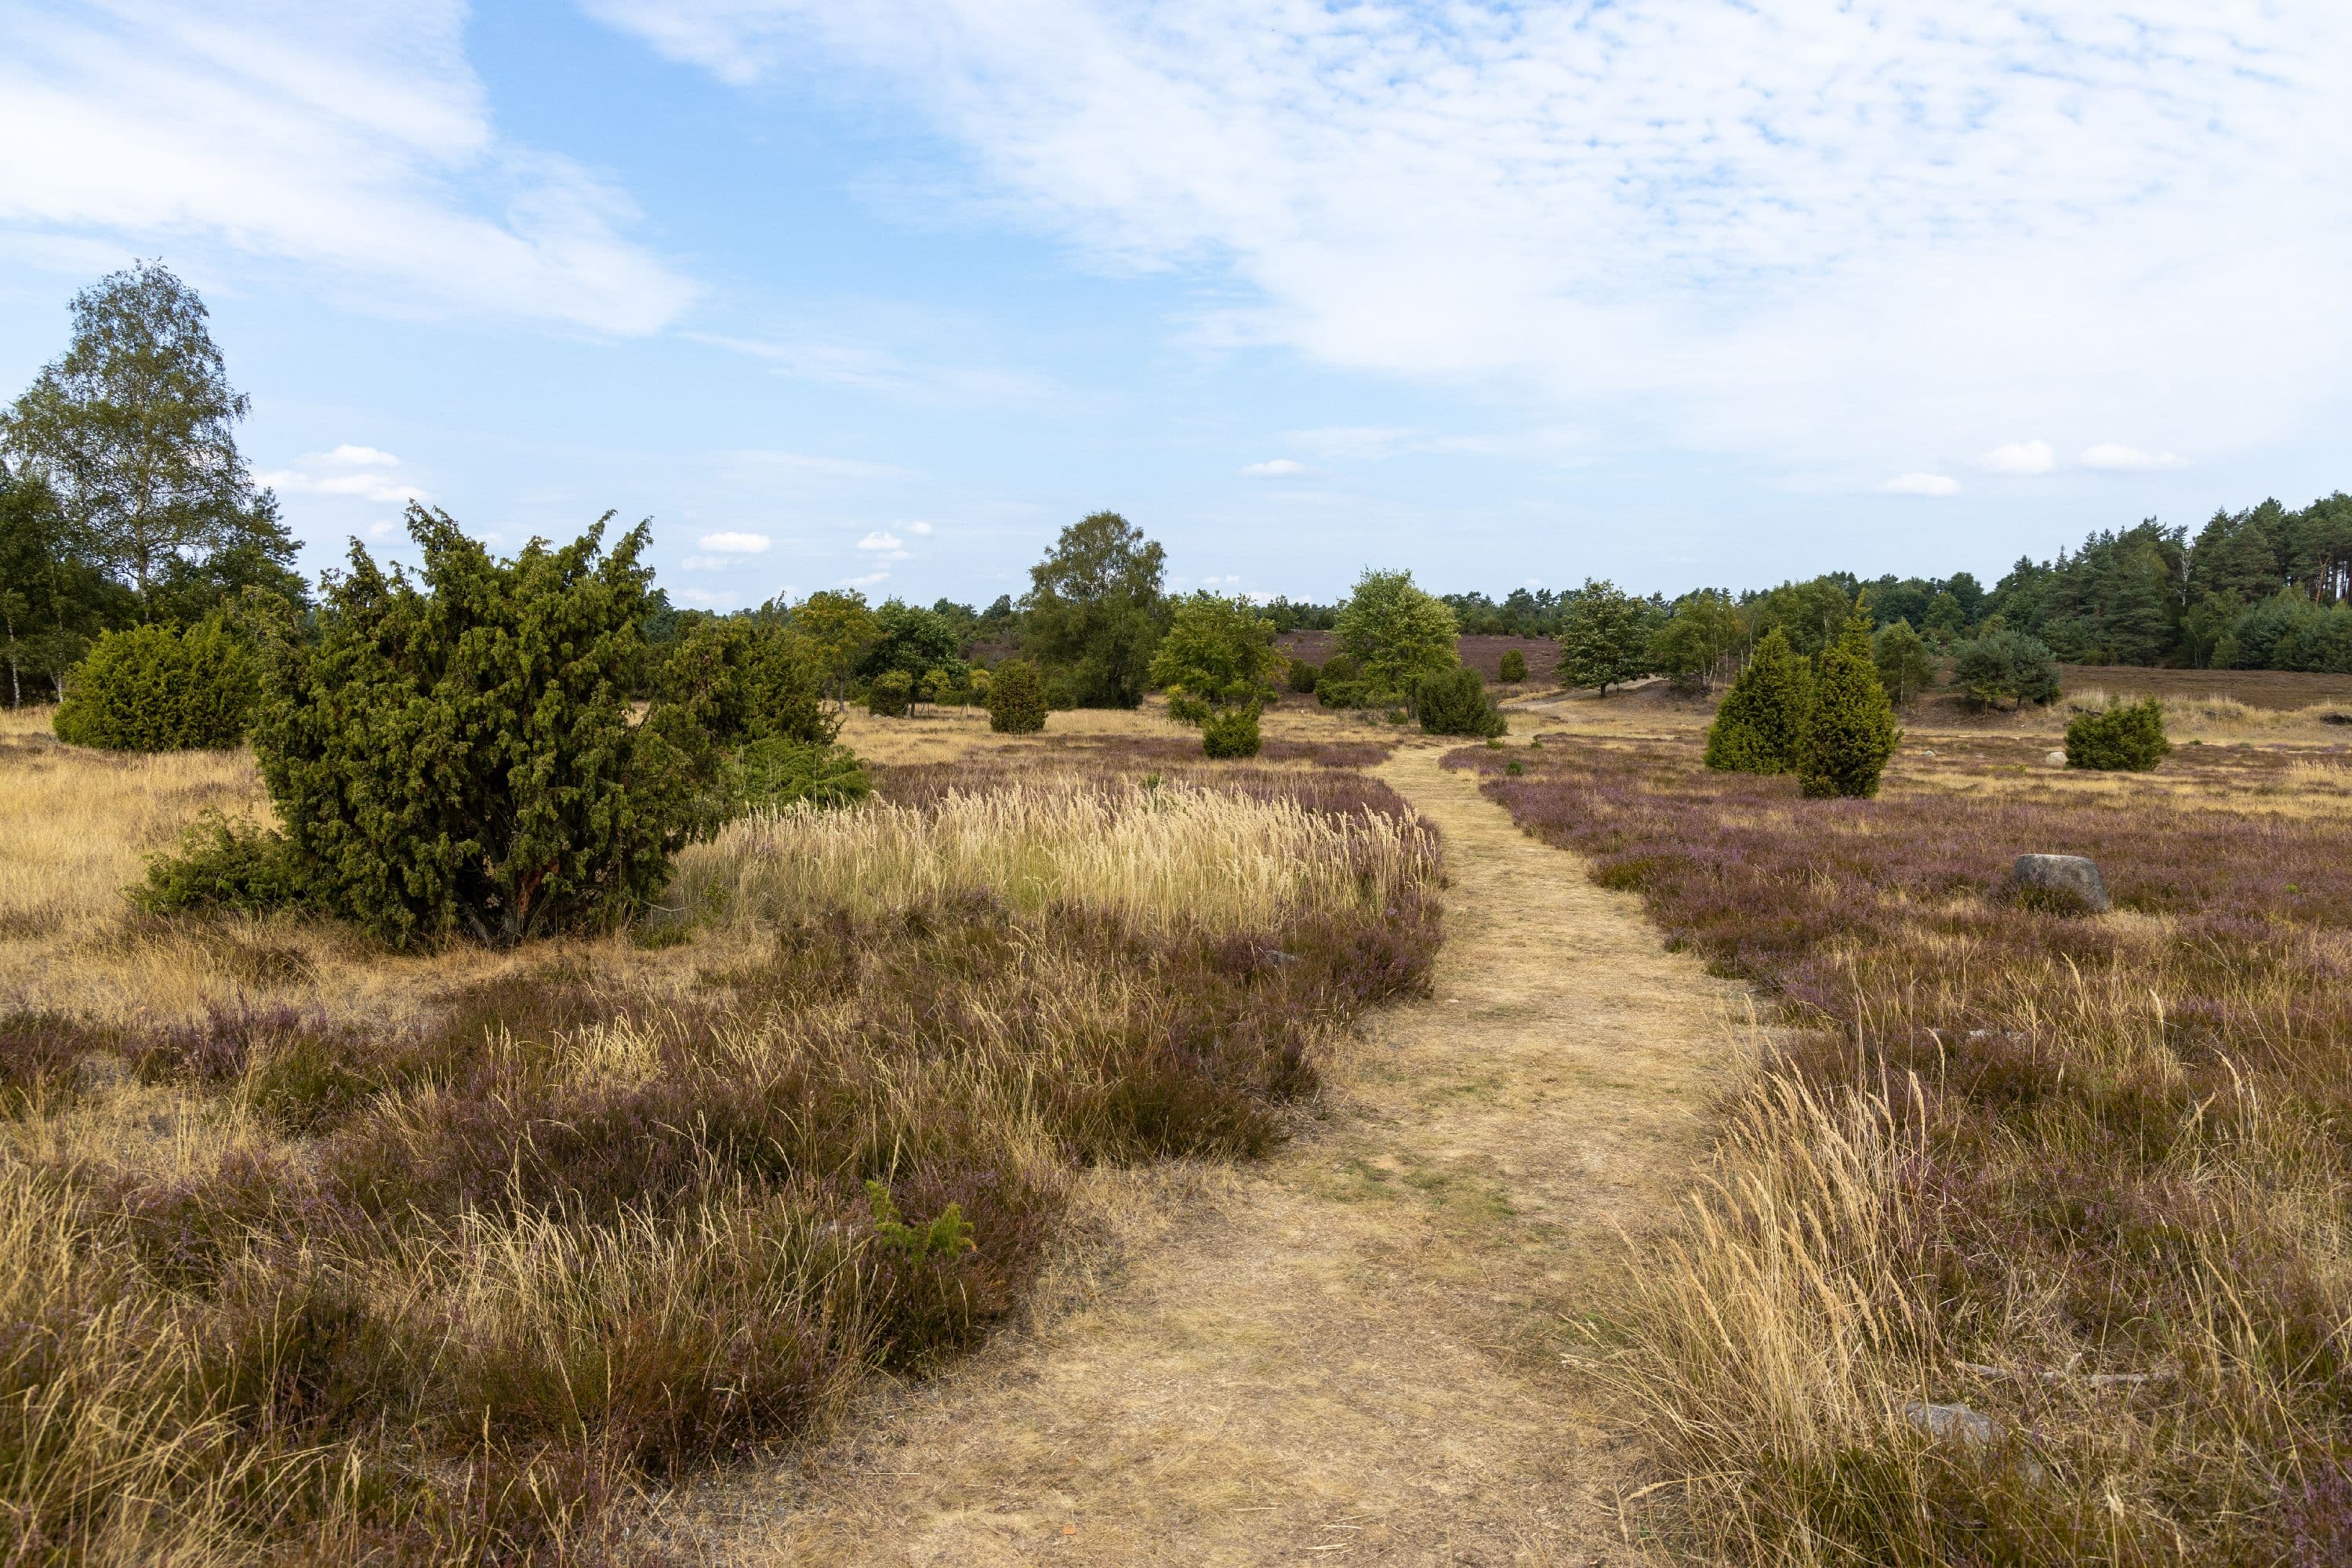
(1457, 703)
(462, 1284)
(455, 753)
(158, 689)
(2122, 737)
(2060, 1172)
(1850, 729)
(1016, 698)
(1760, 726)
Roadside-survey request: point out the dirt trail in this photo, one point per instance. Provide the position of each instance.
(1350, 1351)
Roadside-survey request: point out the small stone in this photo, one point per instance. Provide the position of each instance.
(2055, 759)
(1949, 1423)
(2067, 882)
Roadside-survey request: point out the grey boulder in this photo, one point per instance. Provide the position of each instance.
(2061, 880)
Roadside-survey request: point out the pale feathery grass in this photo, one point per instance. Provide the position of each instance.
(1163, 857)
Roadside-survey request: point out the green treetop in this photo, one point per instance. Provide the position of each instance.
(1218, 652)
(1395, 634)
(1094, 609)
(1605, 638)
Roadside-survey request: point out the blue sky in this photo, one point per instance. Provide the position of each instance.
(1678, 293)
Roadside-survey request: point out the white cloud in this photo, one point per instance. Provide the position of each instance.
(2020, 457)
(710, 598)
(1922, 485)
(1276, 469)
(921, 528)
(362, 457)
(363, 473)
(871, 580)
(1830, 233)
(889, 546)
(735, 543)
(351, 139)
(2109, 456)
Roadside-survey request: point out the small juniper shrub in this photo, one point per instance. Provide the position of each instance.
(1850, 729)
(1760, 727)
(775, 774)
(1303, 676)
(891, 696)
(1017, 700)
(223, 864)
(1457, 703)
(2126, 736)
(1227, 732)
(157, 688)
(1513, 669)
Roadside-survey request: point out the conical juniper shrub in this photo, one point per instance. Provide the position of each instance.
(156, 688)
(1761, 723)
(1513, 667)
(1457, 703)
(1850, 731)
(2128, 737)
(891, 695)
(452, 753)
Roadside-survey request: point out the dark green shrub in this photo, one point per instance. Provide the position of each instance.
(1303, 676)
(743, 681)
(225, 864)
(1850, 731)
(1457, 703)
(2128, 737)
(1016, 698)
(773, 774)
(1513, 667)
(454, 753)
(1762, 722)
(1230, 732)
(154, 689)
(2003, 663)
(891, 696)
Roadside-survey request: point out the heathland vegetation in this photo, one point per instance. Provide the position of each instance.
(478, 1048)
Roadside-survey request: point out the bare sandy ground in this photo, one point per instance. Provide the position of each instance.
(1353, 1350)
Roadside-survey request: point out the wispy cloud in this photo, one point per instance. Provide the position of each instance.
(1833, 234)
(868, 368)
(735, 543)
(888, 545)
(354, 138)
(1277, 469)
(2109, 456)
(870, 580)
(1938, 485)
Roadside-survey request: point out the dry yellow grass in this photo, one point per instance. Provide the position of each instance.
(1164, 857)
